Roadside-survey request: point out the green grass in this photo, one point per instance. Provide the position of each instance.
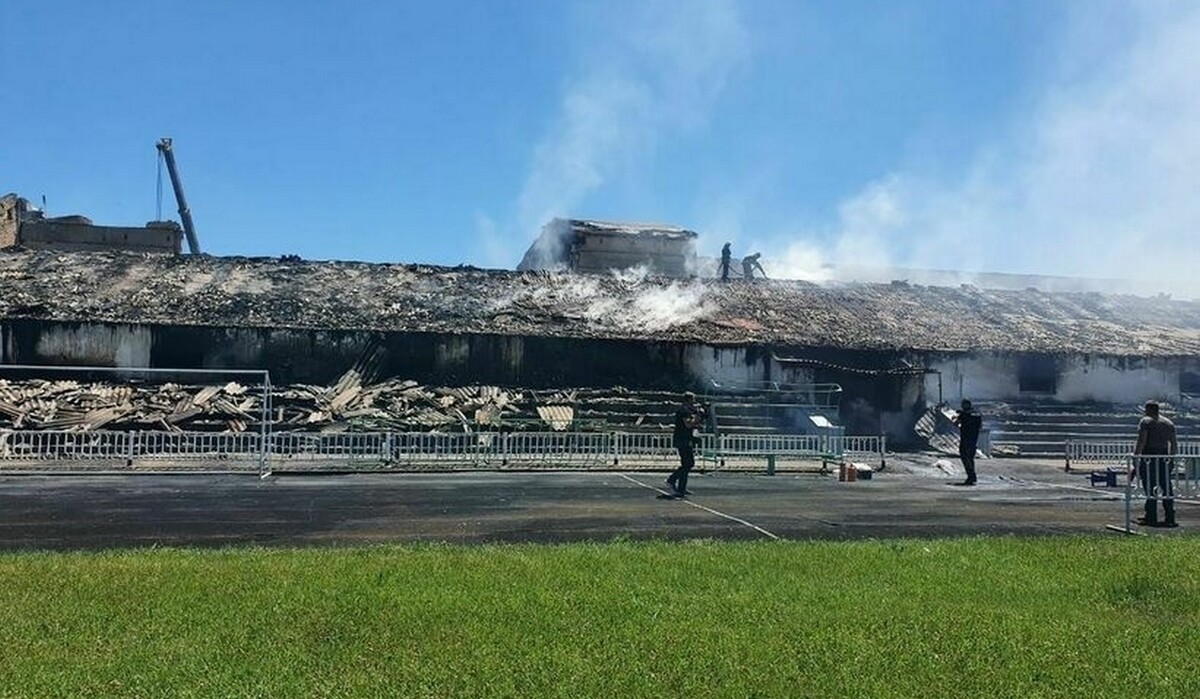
(1065, 617)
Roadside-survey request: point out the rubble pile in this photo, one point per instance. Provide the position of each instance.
(349, 404)
(292, 293)
(71, 405)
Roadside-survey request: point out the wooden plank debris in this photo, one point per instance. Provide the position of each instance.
(348, 404)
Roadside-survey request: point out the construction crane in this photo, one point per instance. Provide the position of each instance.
(189, 229)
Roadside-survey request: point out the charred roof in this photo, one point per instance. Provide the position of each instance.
(287, 292)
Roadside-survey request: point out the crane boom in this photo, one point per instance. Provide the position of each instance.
(189, 229)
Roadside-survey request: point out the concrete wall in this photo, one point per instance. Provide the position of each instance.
(86, 345)
(321, 356)
(726, 365)
(55, 235)
(995, 376)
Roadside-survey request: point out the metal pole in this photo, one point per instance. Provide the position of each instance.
(264, 430)
(1129, 498)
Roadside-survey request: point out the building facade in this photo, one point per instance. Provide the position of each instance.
(24, 226)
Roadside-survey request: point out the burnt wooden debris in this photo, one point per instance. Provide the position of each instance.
(349, 404)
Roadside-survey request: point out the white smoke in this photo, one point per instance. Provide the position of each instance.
(650, 69)
(626, 300)
(1099, 179)
(658, 306)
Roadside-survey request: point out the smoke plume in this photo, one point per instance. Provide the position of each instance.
(1099, 179)
(646, 70)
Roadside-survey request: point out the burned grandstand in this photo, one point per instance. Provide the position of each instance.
(895, 349)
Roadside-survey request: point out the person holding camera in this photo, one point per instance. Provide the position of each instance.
(970, 424)
(688, 419)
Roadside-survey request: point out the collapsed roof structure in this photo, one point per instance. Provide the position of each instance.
(290, 293)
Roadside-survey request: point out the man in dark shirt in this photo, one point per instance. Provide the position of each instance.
(1156, 444)
(969, 425)
(687, 419)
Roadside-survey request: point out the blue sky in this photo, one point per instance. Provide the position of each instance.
(1011, 135)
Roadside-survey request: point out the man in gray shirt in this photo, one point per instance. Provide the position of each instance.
(1156, 445)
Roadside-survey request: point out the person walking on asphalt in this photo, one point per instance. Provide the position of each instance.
(726, 262)
(1155, 445)
(970, 423)
(687, 419)
(751, 263)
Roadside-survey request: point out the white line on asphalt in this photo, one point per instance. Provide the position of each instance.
(753, 526)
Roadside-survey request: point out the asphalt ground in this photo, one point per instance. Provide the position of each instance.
(913, 497)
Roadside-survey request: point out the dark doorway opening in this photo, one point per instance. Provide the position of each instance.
(1037, 373)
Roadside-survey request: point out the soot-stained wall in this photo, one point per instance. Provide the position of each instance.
(1064, 378)
(321, 356)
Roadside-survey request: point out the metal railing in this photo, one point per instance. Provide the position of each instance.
(647, 449)
(1161, 481)
(818, 448)
(1157, 479)
(1110, 453)
(812, 395)
(83, 450)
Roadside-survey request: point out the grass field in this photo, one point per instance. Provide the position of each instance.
(1064, 617)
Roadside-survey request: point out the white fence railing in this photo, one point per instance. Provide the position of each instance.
(1157, 480)
(1110, 453)
(822, 448)
(389, 450)
(1160, 481)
